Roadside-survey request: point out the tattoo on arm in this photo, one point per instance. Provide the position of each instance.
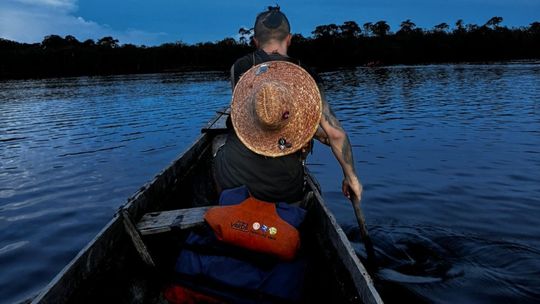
(330, 116)
(321, 136)
(346, 148)
(346, 152)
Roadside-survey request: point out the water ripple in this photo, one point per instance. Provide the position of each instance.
(73, 149)
(448, 155)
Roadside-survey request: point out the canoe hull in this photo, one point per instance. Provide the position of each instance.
(109, 268)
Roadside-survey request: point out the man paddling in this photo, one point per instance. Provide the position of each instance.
(249, 159)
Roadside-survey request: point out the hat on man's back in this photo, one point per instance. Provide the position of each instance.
(276, 108)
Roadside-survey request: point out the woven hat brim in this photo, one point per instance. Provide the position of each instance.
(301, 126)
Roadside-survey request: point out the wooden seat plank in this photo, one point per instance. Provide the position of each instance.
(159, 222)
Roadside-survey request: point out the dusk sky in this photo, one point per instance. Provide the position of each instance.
(158, 21)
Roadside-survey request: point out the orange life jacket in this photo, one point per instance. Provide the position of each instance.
(177, 294)
(254, 225)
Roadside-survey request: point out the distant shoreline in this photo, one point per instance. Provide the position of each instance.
(334, 69)
(331, 47)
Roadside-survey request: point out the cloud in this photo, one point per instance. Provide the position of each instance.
(31, 20)
(60, 4)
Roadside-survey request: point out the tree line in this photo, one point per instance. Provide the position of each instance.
(330, 46)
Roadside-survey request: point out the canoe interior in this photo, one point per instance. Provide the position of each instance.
(126, 279)
(109, 269)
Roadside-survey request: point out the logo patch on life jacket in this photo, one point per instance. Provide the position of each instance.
(256, 226)
(239, 225)
(272, 230)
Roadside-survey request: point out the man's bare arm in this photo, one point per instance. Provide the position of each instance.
(332, 133)
(321, 136)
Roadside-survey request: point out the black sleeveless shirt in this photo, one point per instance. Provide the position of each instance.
(279, 179)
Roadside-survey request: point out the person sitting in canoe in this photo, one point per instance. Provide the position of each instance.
(278, 106)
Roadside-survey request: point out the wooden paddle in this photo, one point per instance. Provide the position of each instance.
(363, 230)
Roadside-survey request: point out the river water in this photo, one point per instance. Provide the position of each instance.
(449, 156)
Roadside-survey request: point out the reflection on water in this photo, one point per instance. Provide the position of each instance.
(449, 157)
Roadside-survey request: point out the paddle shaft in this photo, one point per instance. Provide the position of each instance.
(363, 231)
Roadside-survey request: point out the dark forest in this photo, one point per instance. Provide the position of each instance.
(329, 47)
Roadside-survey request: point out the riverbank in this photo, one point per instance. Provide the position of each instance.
(331, 47)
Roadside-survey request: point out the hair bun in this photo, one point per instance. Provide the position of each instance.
(274, 19)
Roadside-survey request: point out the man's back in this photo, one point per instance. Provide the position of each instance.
(267, 178)
(281, 179)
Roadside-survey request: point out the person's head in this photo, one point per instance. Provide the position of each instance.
(272, 27)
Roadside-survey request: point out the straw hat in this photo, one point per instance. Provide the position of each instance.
(276, 108)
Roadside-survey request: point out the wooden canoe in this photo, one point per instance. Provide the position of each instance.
(111, 267)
